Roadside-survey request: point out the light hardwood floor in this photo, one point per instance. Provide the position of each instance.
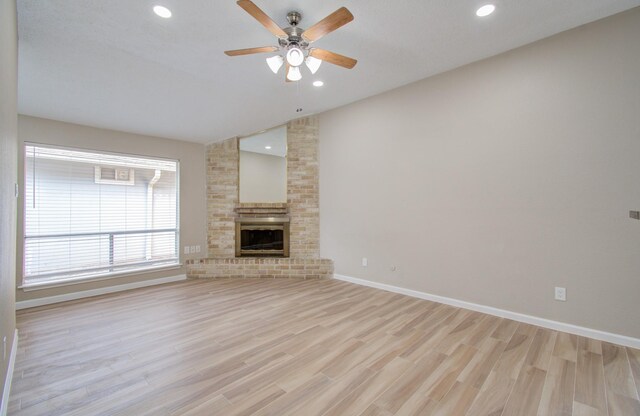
(315, 347)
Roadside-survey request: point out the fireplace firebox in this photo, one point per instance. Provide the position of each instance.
(262, 237)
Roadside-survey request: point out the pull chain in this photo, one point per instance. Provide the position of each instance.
(298, 107)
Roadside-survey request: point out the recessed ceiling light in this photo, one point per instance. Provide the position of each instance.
(485, 10)
(318, 83)
(268, 147)
(162, 11)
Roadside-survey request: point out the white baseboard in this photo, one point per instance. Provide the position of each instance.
(533, 320)
(32, 303)
(4, 406)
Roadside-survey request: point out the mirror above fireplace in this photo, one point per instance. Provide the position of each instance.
(263, 167)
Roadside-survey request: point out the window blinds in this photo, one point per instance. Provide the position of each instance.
(91, 214)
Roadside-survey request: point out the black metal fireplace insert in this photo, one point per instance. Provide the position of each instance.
(262, 237)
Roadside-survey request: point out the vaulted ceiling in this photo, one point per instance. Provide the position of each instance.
(115, 64)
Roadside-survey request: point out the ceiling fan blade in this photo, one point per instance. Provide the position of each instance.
(333, 58)
(249, 51)
(335, 20)
(261, 17)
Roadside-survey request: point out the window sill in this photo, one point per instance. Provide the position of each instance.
(28, 287)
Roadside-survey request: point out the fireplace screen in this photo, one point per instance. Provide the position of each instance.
(262, 238)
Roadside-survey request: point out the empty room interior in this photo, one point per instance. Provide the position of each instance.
(346, 207)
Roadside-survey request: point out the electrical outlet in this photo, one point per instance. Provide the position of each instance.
(393, 268)
(198, 248)
(193, 249)
(365, 262)
(186, 249)
(561, 294)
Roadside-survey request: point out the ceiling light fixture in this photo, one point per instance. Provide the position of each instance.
(318, 83)
(275, 62)
(295, 57)
(485, 10)
(294, 74)
(162, 11)
(294, 43)
(313, 64)
(268, 147)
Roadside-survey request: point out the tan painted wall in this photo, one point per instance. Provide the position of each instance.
(8, 173)
(497, 181)
(192, 186)
(263, 178)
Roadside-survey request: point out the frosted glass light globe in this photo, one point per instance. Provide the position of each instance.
(295, 57)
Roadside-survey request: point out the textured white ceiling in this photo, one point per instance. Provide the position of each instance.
(115, 64)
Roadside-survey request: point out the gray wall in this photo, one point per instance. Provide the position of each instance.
(8, 172)
(497, 181)
(193, 215)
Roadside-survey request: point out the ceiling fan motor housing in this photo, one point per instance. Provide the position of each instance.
(294, 33)
(294, 18)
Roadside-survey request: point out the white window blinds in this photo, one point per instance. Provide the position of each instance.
(90, 214)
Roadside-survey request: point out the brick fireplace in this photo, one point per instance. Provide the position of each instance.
(302, 211)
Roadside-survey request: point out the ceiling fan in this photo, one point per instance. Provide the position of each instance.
(294, 43)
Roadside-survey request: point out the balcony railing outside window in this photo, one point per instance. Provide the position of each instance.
(92, 215)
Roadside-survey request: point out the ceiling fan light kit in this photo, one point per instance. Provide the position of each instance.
(275, 62)
(313, 64)
(294, 74)
(295, 57)
(294, 42)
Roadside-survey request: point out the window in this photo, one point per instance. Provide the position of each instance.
(90, 214)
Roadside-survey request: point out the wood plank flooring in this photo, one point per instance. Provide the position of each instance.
(315, 347)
